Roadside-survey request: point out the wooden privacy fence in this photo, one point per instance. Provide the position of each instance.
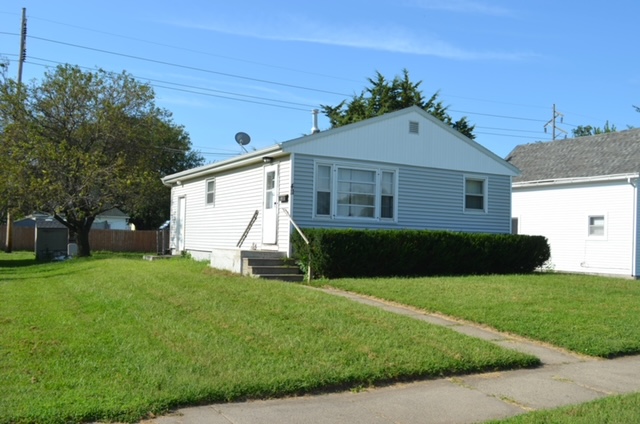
(112, 240)
(23, 238)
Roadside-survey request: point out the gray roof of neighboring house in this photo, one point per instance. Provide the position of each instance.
(113, 213)
(49, 223)
(596, 155)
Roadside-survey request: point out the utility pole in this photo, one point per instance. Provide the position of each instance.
(22, 57)
(552, 122)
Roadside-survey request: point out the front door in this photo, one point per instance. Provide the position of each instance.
(270, 205)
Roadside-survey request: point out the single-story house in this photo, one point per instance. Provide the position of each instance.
(582, 194)
(401, 170)
(113, 219)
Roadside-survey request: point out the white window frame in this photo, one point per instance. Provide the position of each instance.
(316, 189)
(208, 192)
(591, 226)
(485, 196)
(333, 183)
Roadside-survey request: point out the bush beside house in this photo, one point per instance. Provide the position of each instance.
(383, 253)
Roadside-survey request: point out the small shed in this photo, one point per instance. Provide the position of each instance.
(51, 240)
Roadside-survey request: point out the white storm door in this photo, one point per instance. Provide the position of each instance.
(180, 218)
(270, 205)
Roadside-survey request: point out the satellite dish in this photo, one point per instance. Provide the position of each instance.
(243, 139)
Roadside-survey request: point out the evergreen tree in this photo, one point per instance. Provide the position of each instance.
(384, 96)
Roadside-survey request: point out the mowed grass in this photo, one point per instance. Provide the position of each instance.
(597, 316)
(623, 409)
(116, 338)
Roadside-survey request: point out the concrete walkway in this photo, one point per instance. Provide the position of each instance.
(565, 378)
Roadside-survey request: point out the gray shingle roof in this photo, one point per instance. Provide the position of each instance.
(49, 223)
(597, 155)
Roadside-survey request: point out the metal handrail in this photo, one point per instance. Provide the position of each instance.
(246, 232)
(306, 240)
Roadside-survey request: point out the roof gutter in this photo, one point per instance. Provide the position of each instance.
(244, 160)
(577, 180)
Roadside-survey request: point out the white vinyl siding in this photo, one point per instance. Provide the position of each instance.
(563, 214)
(387, 139)
(238, 194)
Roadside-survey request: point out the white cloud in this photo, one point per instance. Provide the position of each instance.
(387, 38)
(463, 6)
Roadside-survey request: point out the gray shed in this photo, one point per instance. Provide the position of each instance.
(52, 239)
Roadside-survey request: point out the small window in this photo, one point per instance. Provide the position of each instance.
(514, 226)
(387, 195)
(211, 192)
(474, 194)
(323, 190)
(596, 226)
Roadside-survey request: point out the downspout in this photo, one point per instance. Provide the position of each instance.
(634, 238)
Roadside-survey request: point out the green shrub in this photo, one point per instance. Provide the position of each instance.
(382, 253)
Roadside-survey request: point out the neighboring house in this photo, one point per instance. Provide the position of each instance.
(113, 219)
(402, 170)
(582, 194)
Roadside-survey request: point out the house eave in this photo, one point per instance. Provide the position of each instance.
(237, 162)
(578, 180)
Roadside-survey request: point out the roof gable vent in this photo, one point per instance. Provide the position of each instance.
(414, 127)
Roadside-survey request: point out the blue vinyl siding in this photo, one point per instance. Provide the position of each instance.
(428, 198)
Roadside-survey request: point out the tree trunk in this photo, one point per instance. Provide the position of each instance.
(83, 237)
(83, 243)
(81, 230)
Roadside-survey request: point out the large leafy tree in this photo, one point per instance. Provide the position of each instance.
(383, 96)
(79, 143)
(171, 154)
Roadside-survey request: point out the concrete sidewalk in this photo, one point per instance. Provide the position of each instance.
(565, 378)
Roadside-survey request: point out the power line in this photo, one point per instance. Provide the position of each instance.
(194, 50)
(205, 89)
(513, 136)
(193, 68)
(507, 129)
(259, 63)
(255, 79)
(208, 91)
(498, 116)
(292, 108)
(231, 98)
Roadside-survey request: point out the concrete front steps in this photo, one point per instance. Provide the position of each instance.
(272, 267)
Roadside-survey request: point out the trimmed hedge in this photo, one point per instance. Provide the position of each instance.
(386, 253)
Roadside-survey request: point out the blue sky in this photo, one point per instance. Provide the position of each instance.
(260, 67)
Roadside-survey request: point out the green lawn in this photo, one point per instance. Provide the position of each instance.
(611, 410)
(596, 316)
(117, 338)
